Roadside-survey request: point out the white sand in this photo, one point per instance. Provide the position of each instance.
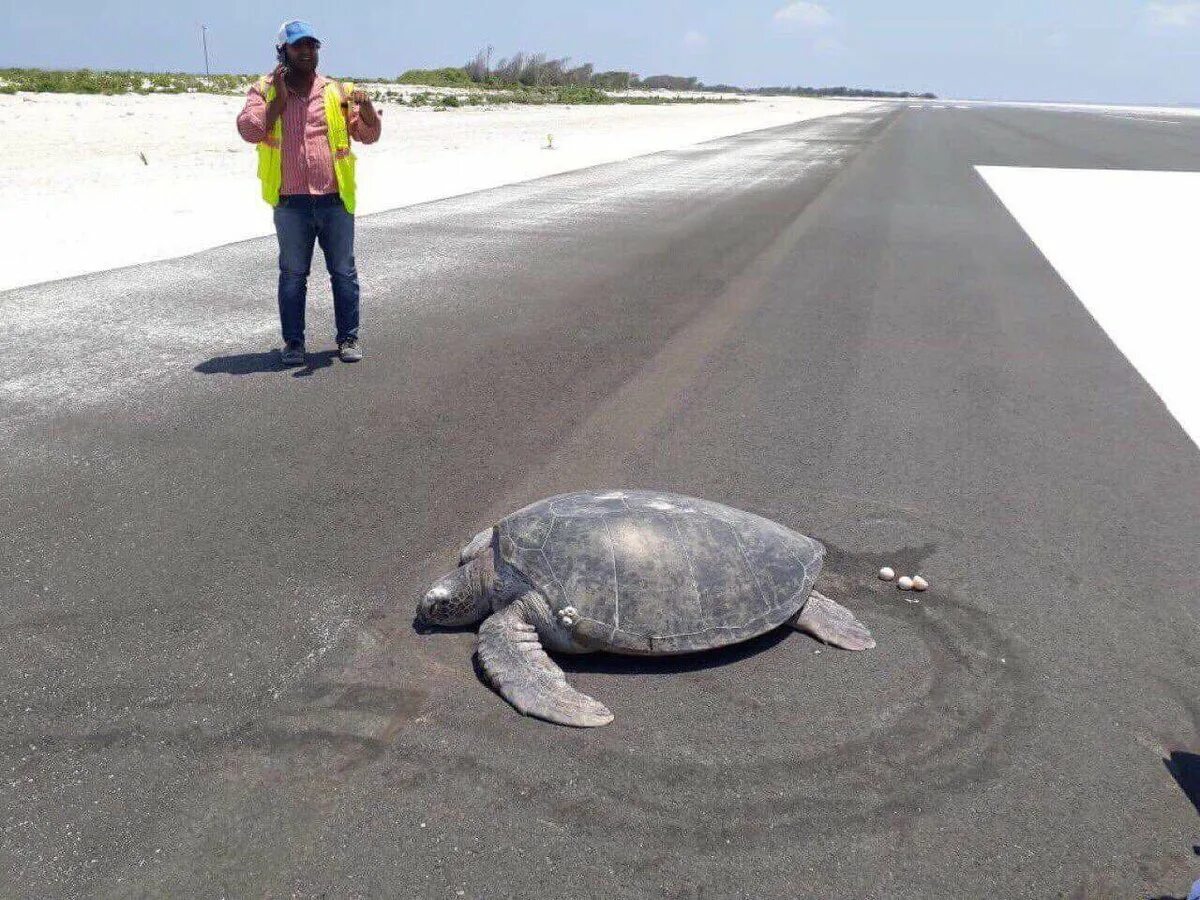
(76, 196)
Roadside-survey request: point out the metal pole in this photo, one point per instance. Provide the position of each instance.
(204, 39)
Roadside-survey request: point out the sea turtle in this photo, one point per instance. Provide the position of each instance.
(630, 572)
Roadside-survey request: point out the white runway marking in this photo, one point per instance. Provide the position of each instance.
(1125, 242)
(1113, 115)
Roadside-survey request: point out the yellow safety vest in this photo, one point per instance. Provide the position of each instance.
(270, 150)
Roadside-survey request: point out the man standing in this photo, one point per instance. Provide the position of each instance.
(302, 123)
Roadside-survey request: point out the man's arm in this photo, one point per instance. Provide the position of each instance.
(365, 125)
(257, 117)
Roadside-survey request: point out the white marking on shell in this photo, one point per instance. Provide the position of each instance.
(660, 504)
(614, 495)
(887, 573)
(905, 583)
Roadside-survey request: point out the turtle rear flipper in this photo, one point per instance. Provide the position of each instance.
(515, 663)
(477, 545)
(832, 623)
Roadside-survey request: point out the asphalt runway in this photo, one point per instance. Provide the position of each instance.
(213, 686)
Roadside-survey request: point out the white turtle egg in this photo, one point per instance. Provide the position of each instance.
(919, 583)
(887, 573)
(905, 583)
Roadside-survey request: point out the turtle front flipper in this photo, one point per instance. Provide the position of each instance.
(511, 655)
(832, 623)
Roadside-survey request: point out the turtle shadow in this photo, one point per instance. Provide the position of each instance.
(616, 664)
(423, 628)
(258, 363)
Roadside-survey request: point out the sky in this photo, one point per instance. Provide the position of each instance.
(1119, 51)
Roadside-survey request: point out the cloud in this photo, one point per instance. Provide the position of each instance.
(804, 15)
(694, 40)
(1173, 15)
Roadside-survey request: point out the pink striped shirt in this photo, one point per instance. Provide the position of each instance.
(307, 159)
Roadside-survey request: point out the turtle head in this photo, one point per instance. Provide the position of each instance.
(461, 598)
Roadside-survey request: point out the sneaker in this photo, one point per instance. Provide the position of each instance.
(348, 350)
(292, 354)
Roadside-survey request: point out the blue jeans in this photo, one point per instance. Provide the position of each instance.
(299, 220)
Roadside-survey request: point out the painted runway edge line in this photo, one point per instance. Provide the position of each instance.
(1124, 242)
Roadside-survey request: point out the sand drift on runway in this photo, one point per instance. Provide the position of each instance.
(223, 301)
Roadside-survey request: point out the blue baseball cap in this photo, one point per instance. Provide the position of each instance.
(295, 30)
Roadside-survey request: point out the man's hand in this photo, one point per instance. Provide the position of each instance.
(275, 107)
(365, 109)
(277, 78)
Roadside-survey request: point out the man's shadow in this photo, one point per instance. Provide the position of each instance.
(1185, 769)
(256, 363)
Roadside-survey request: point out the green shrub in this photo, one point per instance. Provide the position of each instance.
(86, 81)
(448, 77)
(581, 94)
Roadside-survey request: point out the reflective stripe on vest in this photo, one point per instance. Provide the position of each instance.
(270, 149)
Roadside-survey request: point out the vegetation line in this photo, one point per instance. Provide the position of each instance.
(524, 78)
